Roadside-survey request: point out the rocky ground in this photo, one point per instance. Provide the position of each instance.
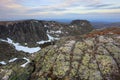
(94, 56)
(8, 52)
(91, 56)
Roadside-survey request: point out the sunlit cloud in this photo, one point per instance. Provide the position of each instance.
(56, 8)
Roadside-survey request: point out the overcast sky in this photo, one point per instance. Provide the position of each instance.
(94, 10)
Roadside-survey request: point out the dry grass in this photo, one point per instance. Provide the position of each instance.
(112, 30)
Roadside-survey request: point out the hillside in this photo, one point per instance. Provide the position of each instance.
(32, 31)
(83, 54)
(93, 56)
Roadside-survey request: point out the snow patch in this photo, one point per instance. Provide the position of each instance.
(72, 26)
(59, 31)
(19, 47)
(28, 61)
(25, 43)
(12, 60)
(3, 63)
(50, 38)
(55, 32)
(45, 26)
(42, 42)
(82, 23)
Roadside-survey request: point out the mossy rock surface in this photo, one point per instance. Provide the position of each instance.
(71, 58)
(86, 59)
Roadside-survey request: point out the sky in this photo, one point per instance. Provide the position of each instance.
(93, 10)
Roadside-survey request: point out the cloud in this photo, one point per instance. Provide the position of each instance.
(63, 3)
(116, 7)
(64, 6)
(103, 7)
(99, 5)
(54, 8)
(9, 7)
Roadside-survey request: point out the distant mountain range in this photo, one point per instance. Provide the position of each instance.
(105, 24)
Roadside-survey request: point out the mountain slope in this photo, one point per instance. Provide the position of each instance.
(32, 31)
(24, 31)
(8, 52)
(93, 56)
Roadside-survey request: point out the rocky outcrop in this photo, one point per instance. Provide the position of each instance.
(93, 56)
(8, 52)
(18, 65)
(32, 31)
(83, 25)
(29, 31)
(76, 27)
(88, 58)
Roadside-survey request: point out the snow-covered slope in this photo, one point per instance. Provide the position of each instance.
(19, 47)
(27, 49)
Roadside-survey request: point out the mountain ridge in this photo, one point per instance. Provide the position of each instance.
(32, 31)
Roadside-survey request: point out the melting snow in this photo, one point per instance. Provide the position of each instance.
(28, 61)
(42, 42)
(50, 38)
(25, 43)
(19, 47)
(56, 32)
(72, 26)
(12, 60)
(83, 24)
(45, 26)
(3, 63)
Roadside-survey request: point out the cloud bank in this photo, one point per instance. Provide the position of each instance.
(18, 9)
